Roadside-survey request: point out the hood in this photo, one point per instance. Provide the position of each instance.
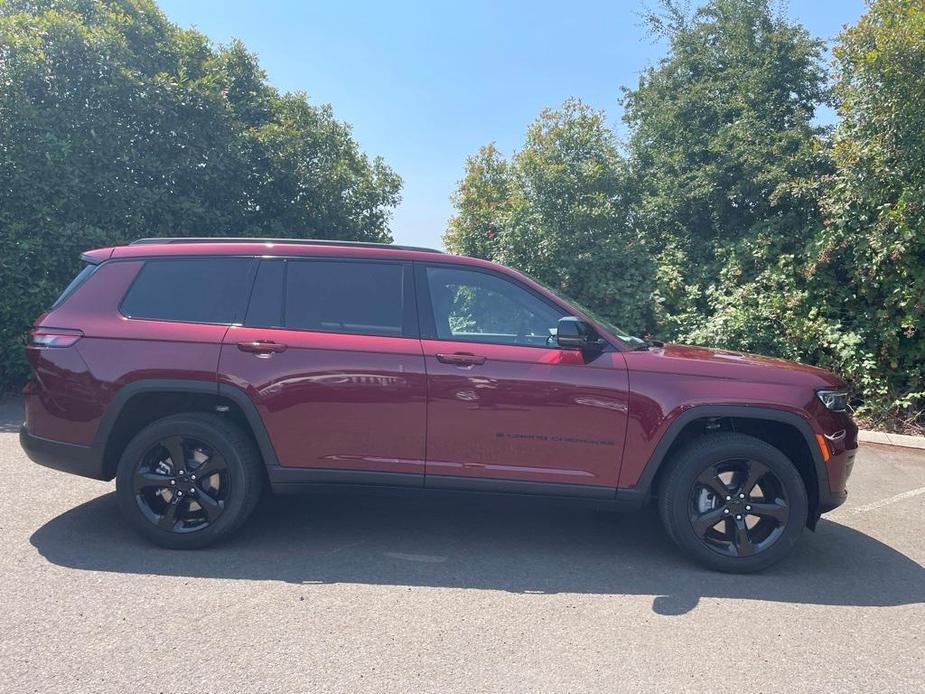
(721, 363)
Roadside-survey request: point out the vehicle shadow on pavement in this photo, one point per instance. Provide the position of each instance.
(518, 545)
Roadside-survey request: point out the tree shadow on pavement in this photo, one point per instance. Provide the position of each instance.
(11, 413)
(518, 545)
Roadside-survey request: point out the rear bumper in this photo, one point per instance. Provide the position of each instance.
(86, 461)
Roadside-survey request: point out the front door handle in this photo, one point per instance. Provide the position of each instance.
(461, 359)
(261, 346)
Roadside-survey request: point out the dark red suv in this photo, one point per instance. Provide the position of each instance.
(195, 371)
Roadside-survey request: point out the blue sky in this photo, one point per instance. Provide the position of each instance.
(425, 84)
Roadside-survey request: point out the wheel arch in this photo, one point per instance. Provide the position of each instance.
(139, 403)
(787, 431)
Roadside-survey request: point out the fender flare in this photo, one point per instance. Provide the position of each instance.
(643, 487)
(156, 385)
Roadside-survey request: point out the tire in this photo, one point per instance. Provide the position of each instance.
(704, 483)
(173, 506)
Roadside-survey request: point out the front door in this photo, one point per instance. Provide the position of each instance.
(506, 406)
(329, 354)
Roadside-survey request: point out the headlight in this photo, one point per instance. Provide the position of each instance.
(835, 400)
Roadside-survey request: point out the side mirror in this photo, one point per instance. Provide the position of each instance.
(572, 333)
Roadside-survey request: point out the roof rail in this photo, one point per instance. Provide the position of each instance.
(303, 242)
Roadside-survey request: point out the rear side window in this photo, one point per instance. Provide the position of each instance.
(344, 297)
(75, 284)
(266, 306)
(355, 297)
(193, 290)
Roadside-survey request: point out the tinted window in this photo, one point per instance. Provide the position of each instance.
(345, 297)
(195, 290)
(480, 307)
(75, 284)
(266, 305)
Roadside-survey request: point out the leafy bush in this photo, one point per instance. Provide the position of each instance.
(734, 221)
(116, 124)
(867, 260)
(557, 210)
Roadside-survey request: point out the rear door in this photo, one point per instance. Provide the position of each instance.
(330, 355)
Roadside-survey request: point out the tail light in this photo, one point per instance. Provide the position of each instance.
(54, 337)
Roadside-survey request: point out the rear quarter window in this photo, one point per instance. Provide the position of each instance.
(75, 284)
(190, 290)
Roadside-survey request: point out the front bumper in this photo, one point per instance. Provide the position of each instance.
(86, 461)
(833, 492)
(836, 436)
(832, 501)
(833, 474)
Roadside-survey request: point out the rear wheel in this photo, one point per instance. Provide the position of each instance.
(733, 503)
(189, 480)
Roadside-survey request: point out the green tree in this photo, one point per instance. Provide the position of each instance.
(117, 124)
(766, 233)
(867, 266)
(557, 211)
(483, 202)
(721, 141)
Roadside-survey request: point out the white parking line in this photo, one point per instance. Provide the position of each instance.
(426, 558)
(877, 504)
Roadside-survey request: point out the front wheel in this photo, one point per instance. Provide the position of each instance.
(733, 503)
(189, 480)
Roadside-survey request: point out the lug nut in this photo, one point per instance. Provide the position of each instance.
(738, 517)
(173, 482)
(748, 508)
(726, 511)
(193, 477)
(179, 493)
(728, 498)
(741, 496)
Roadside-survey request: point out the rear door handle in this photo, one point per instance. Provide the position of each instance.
(261, 347)
(461, 359)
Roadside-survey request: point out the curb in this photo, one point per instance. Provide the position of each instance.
(891, 439)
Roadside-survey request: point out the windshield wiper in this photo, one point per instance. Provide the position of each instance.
(647, 344)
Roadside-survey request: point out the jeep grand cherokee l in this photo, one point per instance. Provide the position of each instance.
(196, 371)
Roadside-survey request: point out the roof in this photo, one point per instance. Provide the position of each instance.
(200, 246)
(305, 242)
(314, 248)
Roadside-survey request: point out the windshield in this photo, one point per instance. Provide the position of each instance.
(631, 340)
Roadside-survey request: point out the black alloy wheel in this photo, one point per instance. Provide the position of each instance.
(189, 480)
(738, 507)
(733, 502)
(181, 484)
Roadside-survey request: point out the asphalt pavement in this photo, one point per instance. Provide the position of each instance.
(354, 593)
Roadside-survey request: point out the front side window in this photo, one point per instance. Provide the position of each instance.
(474, 306)
(190, 290)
